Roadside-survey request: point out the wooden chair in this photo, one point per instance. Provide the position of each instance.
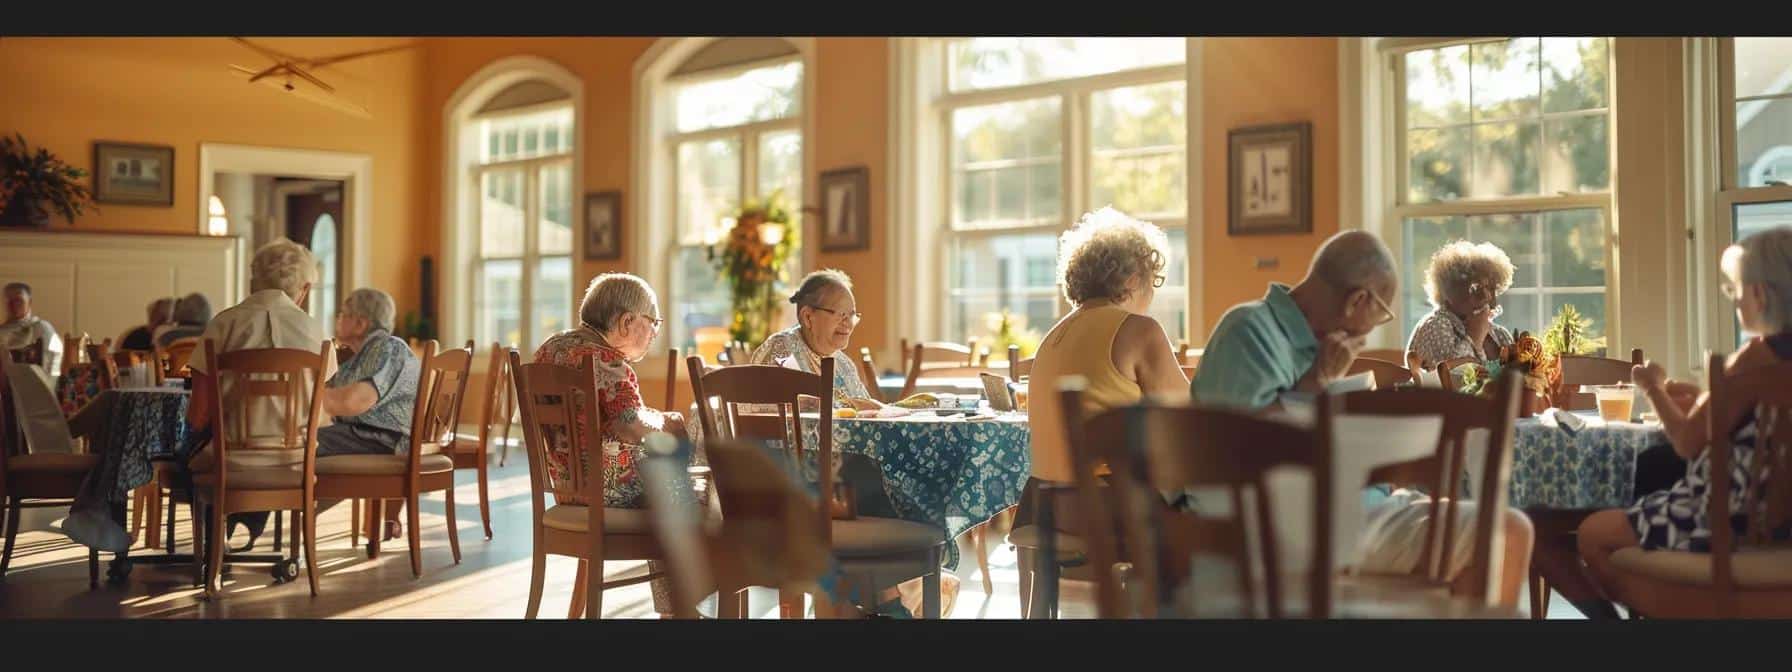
(1152, 449)
(552, 398)
(919, 369)
(878, 552)
(1578, 371)
(1743, 576)
(938, 353)
(223, 486)
(1395, 355)
(1387, 374)
(770, 536)
(442, 380)
(735, 353)
(35, 479)
(1018, 368)
(868, 374)
(474, 452)
(174, 358)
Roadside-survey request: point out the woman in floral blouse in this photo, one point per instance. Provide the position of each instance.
(1464, 282)
(618, 320)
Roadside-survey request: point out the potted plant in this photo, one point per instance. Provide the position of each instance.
(36, 184)
(1541, 371)
(752, 259)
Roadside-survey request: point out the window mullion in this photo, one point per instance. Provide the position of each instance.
(531, 253)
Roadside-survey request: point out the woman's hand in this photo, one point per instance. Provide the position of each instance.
(1649, 375)
(673, 423)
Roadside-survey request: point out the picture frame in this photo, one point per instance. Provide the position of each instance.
(1269, 179)
(846, 209)
(603, 226)
(133, 174)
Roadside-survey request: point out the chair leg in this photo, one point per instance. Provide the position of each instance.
(416, 536)
(309, 516)
(154, 516)
(594, 590)
(376, 527)
(139, 506)
(453, 526)
(12, 533)
(978, 535)
(215, 543)
(196, 517)
(577, 608)
(790, 605)
(485, 498)
(93, 568)
(354, 523)
(930, 592)
(1539, 595)
(537, 577)
(1024, 559)
(279, 519)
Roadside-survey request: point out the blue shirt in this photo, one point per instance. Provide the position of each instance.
(384, 361)
(1259, 351)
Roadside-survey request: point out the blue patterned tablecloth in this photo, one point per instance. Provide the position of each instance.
(135, 425)
(1593, 468)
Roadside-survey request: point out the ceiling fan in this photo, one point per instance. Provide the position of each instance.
(292, 74)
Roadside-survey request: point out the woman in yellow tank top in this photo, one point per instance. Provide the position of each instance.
(1110, 266)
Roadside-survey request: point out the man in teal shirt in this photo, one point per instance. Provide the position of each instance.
(1302, 338)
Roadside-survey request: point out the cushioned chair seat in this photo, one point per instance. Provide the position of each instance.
(862, 537)
(573, 518)
(261, 478)
(381, 465)
(249, 458)
(1753, 568)
(1027, 536)
(53, 462)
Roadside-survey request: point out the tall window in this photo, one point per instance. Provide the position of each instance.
(737, 136)
(323, 248)
(1041, 130)
(1756, 89)
(1506, 141)
(522, 265)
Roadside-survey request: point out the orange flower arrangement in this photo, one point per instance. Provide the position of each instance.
(752, 259)
(1541, 370)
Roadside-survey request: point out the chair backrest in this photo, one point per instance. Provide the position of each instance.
(672, 363)
(560, 409)
(919, 368)
(1395, 355)
(30, 354)
(77, 349)
(735, 353)
(868, 374)
(497, 393)
(284, 373)
(1387, 374)
(1017, 367)
(775, 386)
(1767, 506)
(1438, 473)
(1151, 448)
(174, 357)
(768, 535)
(1578, 371)
(441, 384)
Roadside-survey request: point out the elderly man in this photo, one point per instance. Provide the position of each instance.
(280, 277)
(161, 311)
(1298, 340)
(373, 395)
(23, 327)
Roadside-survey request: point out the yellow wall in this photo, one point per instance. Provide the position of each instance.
(1247, 82)
(65, 93)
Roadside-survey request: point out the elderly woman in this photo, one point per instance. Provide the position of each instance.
(826, 314)
(191, 313)
(280, 278)
(142, 337)
(372, 396)
(1463, 282)
(1757, 277)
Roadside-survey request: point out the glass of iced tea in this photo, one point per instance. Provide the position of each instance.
(1615, 401)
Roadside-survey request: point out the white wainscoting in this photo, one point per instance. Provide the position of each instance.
(101, 283)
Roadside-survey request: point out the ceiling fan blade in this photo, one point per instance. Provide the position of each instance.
(270, 70)
(355, 54)
(266, 51)
(302, 90)
(307, 77)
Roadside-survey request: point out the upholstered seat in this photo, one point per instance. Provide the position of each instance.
(255, 478)
(68, 463)
(573, 518)
(1753, 568)
(381, 465)
(861, 537)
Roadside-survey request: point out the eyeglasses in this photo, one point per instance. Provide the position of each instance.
(657, 321)
(855, 316)
(1157, 281)
(1385, 308)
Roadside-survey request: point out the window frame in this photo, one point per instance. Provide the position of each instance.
(530, 168)
(1397, 205)
(1074, 96)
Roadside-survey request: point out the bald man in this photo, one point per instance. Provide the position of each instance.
(1300, 338)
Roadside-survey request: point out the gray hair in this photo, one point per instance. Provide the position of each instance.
(163, 307)
(1353, 259)
(372, 305)
(283, 265)
(1104, 250)
(817, 283)
(193, 309)
(612, 295)
(1461, 263)
(1766, 260)
(18, 287)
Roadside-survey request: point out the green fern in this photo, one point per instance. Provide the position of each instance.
(1569, 334)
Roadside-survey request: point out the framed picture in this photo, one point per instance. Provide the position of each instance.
(133, 174)
(846, 209)
(603, 226)
(1269, 179)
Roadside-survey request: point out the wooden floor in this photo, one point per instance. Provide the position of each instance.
(48, 576)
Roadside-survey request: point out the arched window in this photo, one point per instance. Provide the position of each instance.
(513, 166)
(325, 296)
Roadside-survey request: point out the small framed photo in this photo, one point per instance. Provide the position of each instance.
(1269, 179)
(846, 209)
(603, 226)
(131, 174)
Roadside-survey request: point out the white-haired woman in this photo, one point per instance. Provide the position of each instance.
(1463, 282)
(372, 395)
(826, 314)
(1757, 277)
(1110, 267)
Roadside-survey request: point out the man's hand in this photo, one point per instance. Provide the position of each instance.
(1337, 350)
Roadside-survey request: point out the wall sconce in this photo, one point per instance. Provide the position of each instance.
(217, 224)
